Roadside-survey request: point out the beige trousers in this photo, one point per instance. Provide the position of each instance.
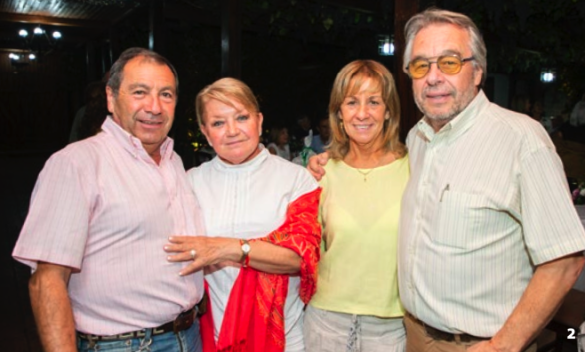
(417, 340)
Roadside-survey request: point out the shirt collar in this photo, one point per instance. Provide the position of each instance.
(249, 165)
(460, 124)
(132, 144)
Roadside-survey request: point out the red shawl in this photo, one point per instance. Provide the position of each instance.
(254, 316)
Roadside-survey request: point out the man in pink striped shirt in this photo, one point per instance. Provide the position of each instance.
(100, 214)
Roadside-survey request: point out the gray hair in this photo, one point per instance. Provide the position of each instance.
(117, 70)
(438, 16)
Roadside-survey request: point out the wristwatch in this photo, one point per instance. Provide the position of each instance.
(245, 259)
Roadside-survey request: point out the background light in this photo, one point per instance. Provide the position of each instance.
(388, 49)
(36, 45)
(385, 45)
(547, 76)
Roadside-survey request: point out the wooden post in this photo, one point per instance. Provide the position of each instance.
(404, 10)
(156, 36)
(114, 45)
(231, 38)
(90, 64)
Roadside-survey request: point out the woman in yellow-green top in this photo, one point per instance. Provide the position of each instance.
(357, 307)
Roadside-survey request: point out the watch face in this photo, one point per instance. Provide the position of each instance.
(246, 247)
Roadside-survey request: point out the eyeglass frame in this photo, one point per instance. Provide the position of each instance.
(463, 61)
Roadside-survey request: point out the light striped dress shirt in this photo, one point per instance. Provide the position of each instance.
(487, 201)
(103, 207)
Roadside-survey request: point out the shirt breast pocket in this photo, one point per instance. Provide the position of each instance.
(460, 220)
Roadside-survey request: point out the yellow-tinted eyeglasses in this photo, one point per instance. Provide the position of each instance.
(449, 64)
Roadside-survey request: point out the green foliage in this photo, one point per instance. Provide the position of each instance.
(528, 35)
(314, 20)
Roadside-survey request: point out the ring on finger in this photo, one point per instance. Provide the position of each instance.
(192, 252)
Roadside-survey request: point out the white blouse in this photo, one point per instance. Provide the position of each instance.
(248, 201)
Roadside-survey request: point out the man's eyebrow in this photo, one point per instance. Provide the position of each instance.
(451, 52)
(443, 53)
(167, 88)
(138, 85)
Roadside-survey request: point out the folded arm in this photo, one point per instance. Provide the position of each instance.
(290, 249)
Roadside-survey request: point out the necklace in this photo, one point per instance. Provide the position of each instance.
(365, 173)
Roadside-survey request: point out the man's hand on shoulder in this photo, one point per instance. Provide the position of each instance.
(316, 163)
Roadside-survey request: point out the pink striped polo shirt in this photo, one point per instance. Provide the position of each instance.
(103, 207)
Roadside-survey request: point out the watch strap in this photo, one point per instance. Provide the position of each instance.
(245, 259)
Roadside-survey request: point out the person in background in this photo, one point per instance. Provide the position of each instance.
(90, 117)
(537, 113)
(299, 131)
(320, 140)
(489, 240)
(279, 143)
(577, 117)
(100, 213)
(357, 306)
(260, 212)
(522, 104)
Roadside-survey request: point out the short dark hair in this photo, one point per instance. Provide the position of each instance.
(117, 70)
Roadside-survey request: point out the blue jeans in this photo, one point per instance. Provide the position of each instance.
(185, 341)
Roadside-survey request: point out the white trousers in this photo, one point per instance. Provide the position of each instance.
(327, 331)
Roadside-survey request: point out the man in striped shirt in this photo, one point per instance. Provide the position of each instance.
(489, 240)
(100, 214)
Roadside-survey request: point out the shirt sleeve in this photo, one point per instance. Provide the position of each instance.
(56, 227)
(303, 184)
(551, 225)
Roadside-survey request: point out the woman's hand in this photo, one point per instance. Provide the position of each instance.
(203, 251)
(264, 256)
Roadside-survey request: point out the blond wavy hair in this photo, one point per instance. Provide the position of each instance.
(348, 82)
(226, 90)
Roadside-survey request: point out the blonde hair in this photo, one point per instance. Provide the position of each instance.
(226, 90)
(348, 82)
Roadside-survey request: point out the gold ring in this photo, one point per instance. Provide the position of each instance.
(192, 252)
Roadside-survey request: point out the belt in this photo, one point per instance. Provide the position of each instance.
(182, 322)
(437, 334)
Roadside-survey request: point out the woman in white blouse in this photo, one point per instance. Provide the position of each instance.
(260, 211)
